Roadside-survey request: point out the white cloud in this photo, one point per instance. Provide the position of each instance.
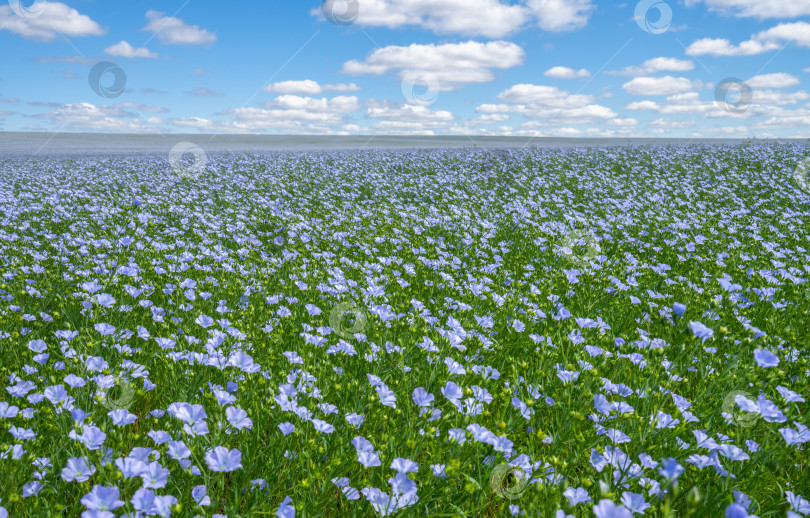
(724, 131)
(285, 114)
(666, 85)
(408, 113)
(566, 73)
(623, 123)
(341, 104)
(308, 87)
(723, 47)
(778, 80)
(54, 18)
(489, 118)
(797, 33)
(548, 105)
(678, 104)
(397, 118)
(542, 95)
(758, 8)
(122, 49)
(452, 64)
(672, 123)
(255, 123)
(528, 129)
(124, 117)
(292, 114)
(172, 30)
(764, 103)
(655, 65)
(798, 119)
(394, 127)
(561, 15)
(488, 18)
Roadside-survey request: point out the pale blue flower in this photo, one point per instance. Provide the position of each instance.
(102, 499)
(765, 358)
(608, 509)
(223, 460)
(285, 510)
(701, 331)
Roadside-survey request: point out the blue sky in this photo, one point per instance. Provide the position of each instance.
(571, 68)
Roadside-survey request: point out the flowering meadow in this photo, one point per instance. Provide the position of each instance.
(575, 332)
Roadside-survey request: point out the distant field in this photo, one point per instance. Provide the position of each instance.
(552, 331)
(44, 144)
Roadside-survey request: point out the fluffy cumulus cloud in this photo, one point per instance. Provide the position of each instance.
(777, 80)
(488, 18)
(723, 47)
(663, 126)
(547, 106)
(655, 65)
(773, 104)
(123, 49)
(124, 117)
(566, 73)
(407, 112)
(50, 19)
(449, 65)
(397, 118)
(285, 114)
(308, 87)
(341, 104)
(796, 33)
(561, 15)
(666, 85)
(171, 30)
(757, 8)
